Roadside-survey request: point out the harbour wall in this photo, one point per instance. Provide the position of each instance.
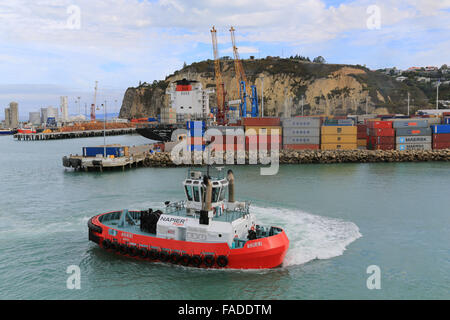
(163, 159)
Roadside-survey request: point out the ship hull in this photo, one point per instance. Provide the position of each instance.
(261, 253)
(161, 133)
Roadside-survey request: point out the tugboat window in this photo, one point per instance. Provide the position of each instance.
(215, 194)
(222, 193)
(196, 194)
(188, 192)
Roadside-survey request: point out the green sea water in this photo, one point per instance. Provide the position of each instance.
(340, 219)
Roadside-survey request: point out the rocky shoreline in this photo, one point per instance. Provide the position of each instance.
(163, 159)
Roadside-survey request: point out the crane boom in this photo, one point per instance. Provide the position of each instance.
(245, 90)
(220, 90)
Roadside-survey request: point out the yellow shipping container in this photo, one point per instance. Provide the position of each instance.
(338, 146)
(335, 138)
(362, 142)
(263, 130)
(338, 130)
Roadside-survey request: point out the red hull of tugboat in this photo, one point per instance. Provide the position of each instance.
(262, 253)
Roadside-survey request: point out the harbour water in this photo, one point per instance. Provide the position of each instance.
(340, 218)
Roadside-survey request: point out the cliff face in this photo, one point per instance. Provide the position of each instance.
(325, 88)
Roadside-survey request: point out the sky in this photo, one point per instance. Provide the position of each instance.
(59, 48)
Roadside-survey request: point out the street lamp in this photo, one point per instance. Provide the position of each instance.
(262, 96)
(104, 128)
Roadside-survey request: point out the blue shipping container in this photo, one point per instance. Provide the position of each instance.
(441, 128)
(110, 151)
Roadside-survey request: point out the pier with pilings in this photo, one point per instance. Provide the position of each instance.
(72, 135)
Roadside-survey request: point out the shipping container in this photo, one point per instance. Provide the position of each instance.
(301, 146)
(413, 139)
(261, 121)
(440, 128)
(301, 140)
(301, 132)
(301, 123)
(379, 124)
(416, 123)
(361, 142)
(267, 130)
(334, 138)
(441, 137)
(384, 132)
(338, 130)
(110, 151)
(441, 145)
(338, 146)
(383, 147)
(413, 146)
(413, 132)
(381, 140)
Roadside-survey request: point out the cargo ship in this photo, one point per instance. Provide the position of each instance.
(7, 131)
(158, 132)
(188, 101)
(205, 230)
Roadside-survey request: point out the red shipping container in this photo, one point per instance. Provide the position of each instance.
(261, 142)
(384, 132)
(381, 140)
(441, 137)
(379, 124)
(441, 145)
(384, 147)
(271, 122)
(301, 147)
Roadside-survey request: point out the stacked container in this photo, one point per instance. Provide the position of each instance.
(412, 134)
(380, 135)
(338, 137)
(261, 132)
(227, 141)
(441, 136)
(168, 116)
(361, 136)
(196, 132)
(301, 133)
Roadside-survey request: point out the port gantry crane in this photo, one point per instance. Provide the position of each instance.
(220, 88)
(241, 78)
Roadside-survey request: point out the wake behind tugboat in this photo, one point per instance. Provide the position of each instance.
(205, 230)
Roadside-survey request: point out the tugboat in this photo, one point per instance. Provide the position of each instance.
(205, 230)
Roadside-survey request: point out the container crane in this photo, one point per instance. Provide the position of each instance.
(220, 88)
(244, 90)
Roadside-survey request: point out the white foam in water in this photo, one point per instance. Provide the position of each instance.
(311, 236)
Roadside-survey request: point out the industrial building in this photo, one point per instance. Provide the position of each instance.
(12, 115)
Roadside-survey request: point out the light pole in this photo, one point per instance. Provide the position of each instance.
(408, 103)
(262, 96)
(437, 94)
(302, 106)
(104, 129)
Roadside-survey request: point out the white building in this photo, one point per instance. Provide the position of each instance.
(64, 108)
(35, 118)
(48, 112)
(188, 97)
